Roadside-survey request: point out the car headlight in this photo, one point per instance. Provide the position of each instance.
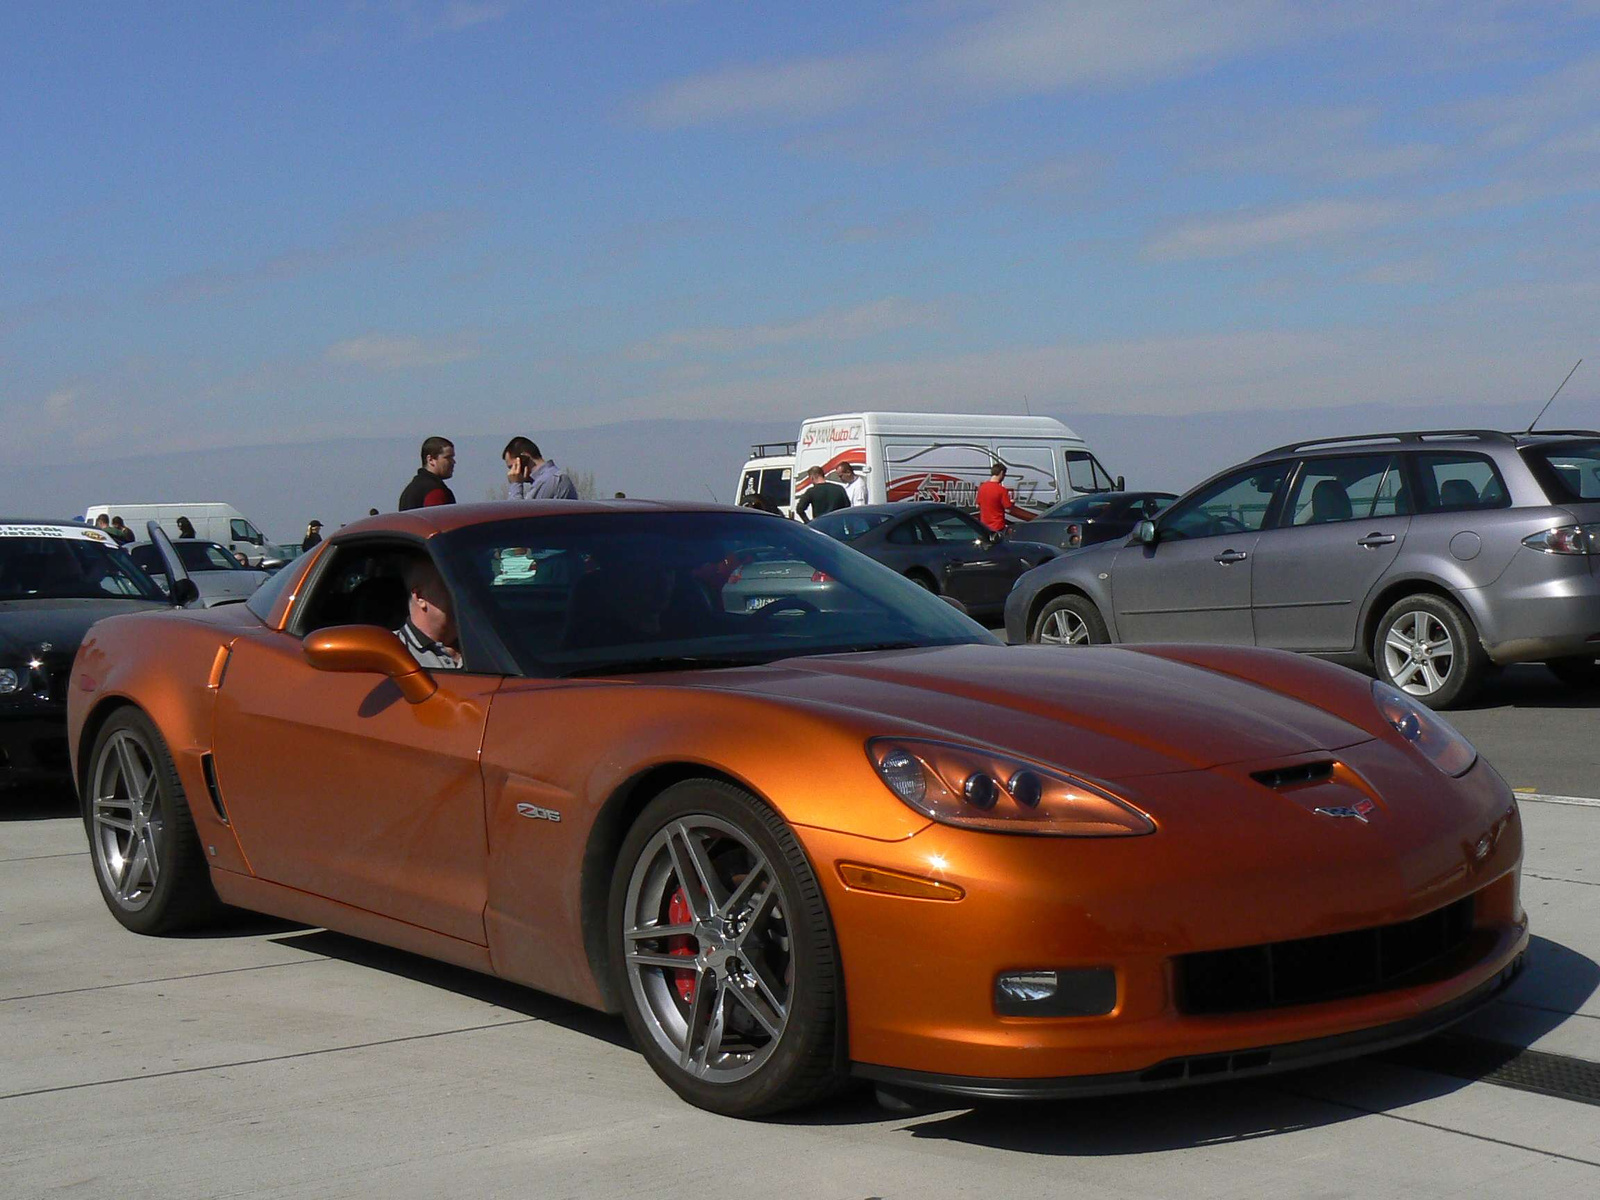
(10, 681)
(1429, 733)
(976, 789)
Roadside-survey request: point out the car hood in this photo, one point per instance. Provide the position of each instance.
(1106, 712)
(24, 624)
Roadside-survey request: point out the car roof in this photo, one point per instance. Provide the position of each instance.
(895, 507)
(445, 518)
(1419, 438)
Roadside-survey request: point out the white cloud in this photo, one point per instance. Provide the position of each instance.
(836, 325)
(384, 352)
(792, 91)
(1222, 237)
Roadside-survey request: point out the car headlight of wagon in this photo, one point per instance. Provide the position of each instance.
(977, 789)
(10, 681)
(1429, 734)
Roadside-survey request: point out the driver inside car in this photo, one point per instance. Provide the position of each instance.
(429, 631)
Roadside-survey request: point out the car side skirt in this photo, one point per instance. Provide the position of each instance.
(1244, 1063)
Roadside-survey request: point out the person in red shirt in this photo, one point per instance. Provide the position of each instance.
(994, 502)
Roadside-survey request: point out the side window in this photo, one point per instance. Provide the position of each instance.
(954, 527)
(1459, 483)
(1338, 489)
(908, 533)
(239, 531)
(1237, 503)
(1085, 474)
(363, 585)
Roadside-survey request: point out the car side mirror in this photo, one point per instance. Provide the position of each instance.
(183, 593)
(1122, 484)
(1145, 532)
(368, 649)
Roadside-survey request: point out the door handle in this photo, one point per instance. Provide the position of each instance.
(1373, 540)
(1228, 557)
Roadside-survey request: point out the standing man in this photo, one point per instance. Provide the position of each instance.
(120, 531)
(531, 476)
(427, 486)
(821, 497)
(994, 502)
(855, 486)
(313, 536)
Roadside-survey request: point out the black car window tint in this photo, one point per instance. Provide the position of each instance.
(364, 585)
(1330, 490)
(1568, 472)
(1237, 503)
(906, 533)
(1459, 482)
(47, 568)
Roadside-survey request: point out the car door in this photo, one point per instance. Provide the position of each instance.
(1193, 583)
(1341, 529)
(976, 572)
(338, 786)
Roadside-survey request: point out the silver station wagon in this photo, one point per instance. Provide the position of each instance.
(1425, 558)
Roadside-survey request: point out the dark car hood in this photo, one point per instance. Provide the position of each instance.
(24, 624)
(1106, 712)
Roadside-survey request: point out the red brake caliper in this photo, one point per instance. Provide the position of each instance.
(682, 945)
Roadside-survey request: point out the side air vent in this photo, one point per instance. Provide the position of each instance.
(207, 766)
(1282, 777)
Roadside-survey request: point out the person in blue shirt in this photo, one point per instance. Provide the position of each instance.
(531, 476)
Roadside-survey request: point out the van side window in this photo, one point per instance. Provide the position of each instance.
(239, 530)
(1459, 483)
(1085, 474)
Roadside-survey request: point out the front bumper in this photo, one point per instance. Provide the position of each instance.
(1232, 864)
(33, 741)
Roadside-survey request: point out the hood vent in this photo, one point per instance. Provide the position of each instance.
(1295, 776)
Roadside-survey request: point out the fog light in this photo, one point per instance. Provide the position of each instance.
(980, 790)
(1026, 789)
(1078, 992)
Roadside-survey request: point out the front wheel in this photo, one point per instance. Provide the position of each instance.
(724, 952)
(1427, 647)
(1070, 621)
(147, 858)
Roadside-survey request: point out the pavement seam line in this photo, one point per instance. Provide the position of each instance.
(1541, 798)
(105, 987)
(272, 1058)
(1546, 1008)
(1481, 1137)
(42, 857)
(1563, 879)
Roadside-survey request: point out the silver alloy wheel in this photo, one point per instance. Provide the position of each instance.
(1419, 653)
(127, 820)
(714, 990)
(1064, 628)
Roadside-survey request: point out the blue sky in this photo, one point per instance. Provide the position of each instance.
(230, 224)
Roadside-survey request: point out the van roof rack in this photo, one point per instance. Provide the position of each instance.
(1408, 436)
(771, 449)
(1535, 433)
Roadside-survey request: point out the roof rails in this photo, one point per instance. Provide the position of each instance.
(772, 449)
(1412, 436)
(1594, 433)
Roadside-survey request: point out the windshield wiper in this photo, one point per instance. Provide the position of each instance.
(664, 662)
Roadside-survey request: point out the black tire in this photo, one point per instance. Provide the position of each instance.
(179, 895)
(1581, 673)
(1463, 669)
(803, 1062)
(1074, 617)
(923, 580)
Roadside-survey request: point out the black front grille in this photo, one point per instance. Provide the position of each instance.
(1320, 968)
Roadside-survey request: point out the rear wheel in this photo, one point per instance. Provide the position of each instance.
(1581, 673)
(923, 580)
(724, 953)
(1070, 621)
(1426, 647)
(147, 858)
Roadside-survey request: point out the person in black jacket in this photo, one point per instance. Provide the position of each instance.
(821, 497)
(313, 536)
(427, 487)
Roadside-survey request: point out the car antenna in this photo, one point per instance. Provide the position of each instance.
(1553, 396)
(709, 492)
(1026, 405)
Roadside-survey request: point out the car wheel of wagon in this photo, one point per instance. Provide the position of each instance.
(1070, 621)
(923, 580)
(724, 953)
(147, 857)
(1427, 647)
(1576, 672)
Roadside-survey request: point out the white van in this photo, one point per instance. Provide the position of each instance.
(945, 456)
(213, 521)
(769, 473)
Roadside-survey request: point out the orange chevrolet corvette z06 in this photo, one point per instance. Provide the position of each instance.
(806, 837)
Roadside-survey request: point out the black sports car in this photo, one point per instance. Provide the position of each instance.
(1097, 517)
(939, 546)
(56, 580)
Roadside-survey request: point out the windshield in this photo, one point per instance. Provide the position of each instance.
(206, 556)
(1080, 508)
(69, 567)
(1085, 474)
(1570, 472)
(602, 593)
(846, 525)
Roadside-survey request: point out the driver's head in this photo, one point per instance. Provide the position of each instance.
(429, 603)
